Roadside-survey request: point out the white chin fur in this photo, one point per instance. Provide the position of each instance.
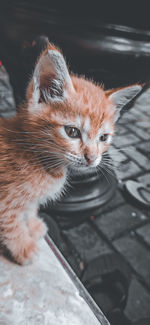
(96, 162)
(86, 167)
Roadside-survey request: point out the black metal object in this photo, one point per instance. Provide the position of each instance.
(137, 192)
(109, 42)
(87, 193)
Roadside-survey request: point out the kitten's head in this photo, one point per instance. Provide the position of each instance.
(78, 116)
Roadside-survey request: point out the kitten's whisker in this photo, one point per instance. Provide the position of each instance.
(54, 145)
(111, 162)
(109, 174)
(112, 167)
(100, 168)
(30, 147)
(19, 132)
(48, 164)
(109, 171)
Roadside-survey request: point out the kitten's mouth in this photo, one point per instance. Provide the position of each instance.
(84, 166)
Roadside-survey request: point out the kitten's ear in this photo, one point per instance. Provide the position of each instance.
(51, 80)
(122, 97)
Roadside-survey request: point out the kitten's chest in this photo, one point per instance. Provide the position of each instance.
(49, 188)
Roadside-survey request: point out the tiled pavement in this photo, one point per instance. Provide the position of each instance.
(120, 226)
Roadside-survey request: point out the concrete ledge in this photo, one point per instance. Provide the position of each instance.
(45, 292)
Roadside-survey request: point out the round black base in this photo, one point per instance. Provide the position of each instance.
(86, 194)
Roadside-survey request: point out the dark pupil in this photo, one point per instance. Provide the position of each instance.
(104, 137)
(72, 132)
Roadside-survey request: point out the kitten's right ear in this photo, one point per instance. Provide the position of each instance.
(51, 80)
(121, 97)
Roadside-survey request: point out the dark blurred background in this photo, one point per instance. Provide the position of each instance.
(108, 41)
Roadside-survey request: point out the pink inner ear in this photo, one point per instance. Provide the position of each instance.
(49, 87)
(52, 77)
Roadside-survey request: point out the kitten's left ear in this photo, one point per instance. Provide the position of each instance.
(51, 81)
(122, 97)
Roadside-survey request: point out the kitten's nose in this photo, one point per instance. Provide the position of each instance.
(89, 158)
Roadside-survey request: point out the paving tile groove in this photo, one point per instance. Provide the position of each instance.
(138, 302)
(87, 242)
(142, 134)
(136, 254)
(141, 160)
(124, 218)
(144, 233)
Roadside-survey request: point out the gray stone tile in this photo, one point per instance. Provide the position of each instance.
(124, 218)
(144, 147)
(121, 130)
(117, 155)
(144, 123)
(127, 118)
(86, 241)
(136, 112)
(142, 103)
(136, 254)
(123, 141)
(138, 303)
(144, 233)
(139, 158)
(127, 170)
(140, 133)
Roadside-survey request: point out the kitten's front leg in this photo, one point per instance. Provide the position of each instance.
(37, 228)
(15, 237)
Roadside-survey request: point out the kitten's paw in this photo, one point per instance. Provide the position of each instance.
(26, 252)
(37, 228)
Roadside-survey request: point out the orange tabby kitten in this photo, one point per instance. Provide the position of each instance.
(67, 121)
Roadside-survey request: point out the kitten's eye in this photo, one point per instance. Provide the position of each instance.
(103, 137)
(72, 132)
